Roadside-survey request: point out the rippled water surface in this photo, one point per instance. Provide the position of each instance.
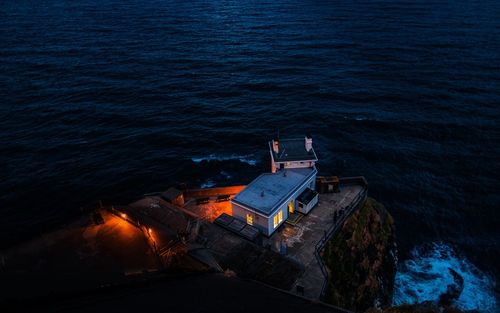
(111, 99)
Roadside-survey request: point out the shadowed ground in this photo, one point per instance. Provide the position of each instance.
(199, 293)
(78, 257)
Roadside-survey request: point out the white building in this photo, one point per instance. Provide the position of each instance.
(292, 153)
(269, 199)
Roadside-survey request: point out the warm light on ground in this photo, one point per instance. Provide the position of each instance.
(210, 211)
(120, 225)
(213, 209)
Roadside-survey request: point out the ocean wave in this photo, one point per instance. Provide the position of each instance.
(426, 276)
(212, 181)
(208, 184)
(214, 157)
(360, 118)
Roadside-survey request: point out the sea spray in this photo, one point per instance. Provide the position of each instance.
(214, 157)
(429, 271)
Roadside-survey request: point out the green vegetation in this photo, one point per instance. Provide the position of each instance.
(361, 259)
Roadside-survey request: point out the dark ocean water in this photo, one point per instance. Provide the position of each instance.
(111, 99)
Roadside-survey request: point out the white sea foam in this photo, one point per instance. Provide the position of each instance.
(426, 276)
(242, 158)
(208, 184)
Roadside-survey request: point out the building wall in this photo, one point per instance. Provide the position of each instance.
(266, 224)
(308, 207)
(284, 209)
(309, 184)
(273, 164)
(179, 200)
(295, 164)
(259, 221)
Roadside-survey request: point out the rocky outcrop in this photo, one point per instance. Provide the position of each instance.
(361, 259)
(444, 304)
(426, 307)
(453, 291)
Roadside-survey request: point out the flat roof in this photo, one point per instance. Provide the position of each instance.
(292, 149)
(171, 194)
(306, 196)
(268, 191)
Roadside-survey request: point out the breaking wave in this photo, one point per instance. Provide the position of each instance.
(426, 276)
(208, 184)
(212, 181)
(214, 157)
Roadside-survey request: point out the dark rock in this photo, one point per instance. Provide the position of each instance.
(362, 260)
(453, 291)
(424, 307)
(444, 305)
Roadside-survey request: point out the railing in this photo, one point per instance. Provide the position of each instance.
(347, 211)
(145, 231)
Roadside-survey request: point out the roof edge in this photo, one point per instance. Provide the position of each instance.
(280, 201)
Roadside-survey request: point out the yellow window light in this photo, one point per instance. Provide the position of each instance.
(249, 219)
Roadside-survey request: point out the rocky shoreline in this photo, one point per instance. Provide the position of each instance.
(362, 263)
(362, 260)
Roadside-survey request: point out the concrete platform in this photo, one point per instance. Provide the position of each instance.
(301, 238)
(78, 257)
(209, 211)
(247, 259)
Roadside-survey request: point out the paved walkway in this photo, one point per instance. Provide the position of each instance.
(302, 238)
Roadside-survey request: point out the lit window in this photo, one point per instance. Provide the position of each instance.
(249, 219)
(278, 218)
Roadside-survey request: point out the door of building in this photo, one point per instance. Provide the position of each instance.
(290, 207)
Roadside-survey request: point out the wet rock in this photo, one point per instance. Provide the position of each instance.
(453, 291)
(424, 307)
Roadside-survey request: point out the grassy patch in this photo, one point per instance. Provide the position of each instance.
(358, 258)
